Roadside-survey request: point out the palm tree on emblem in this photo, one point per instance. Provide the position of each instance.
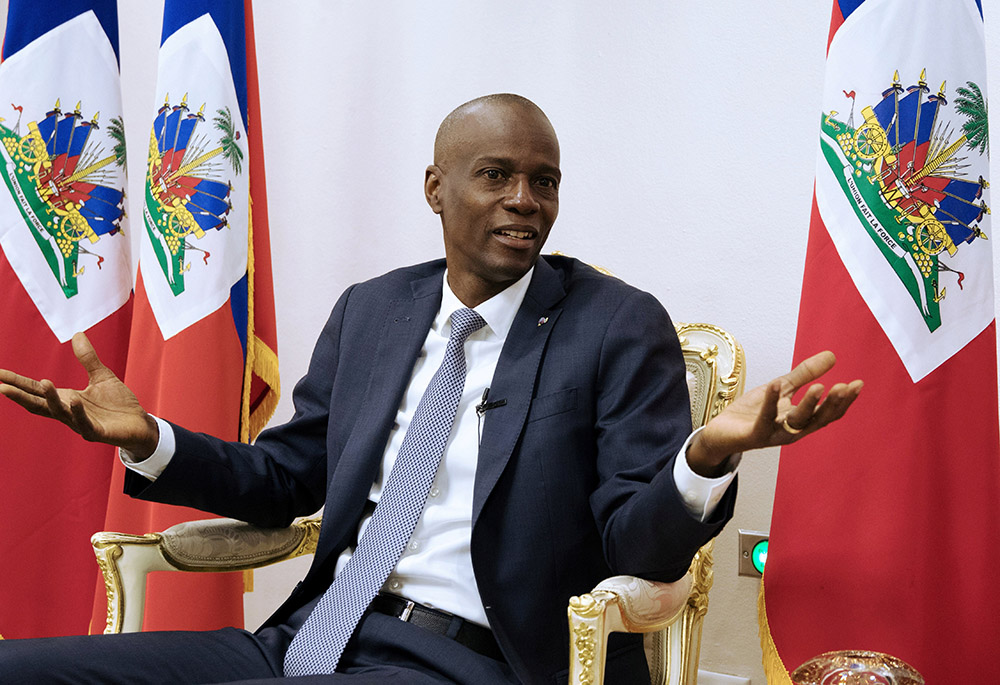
(971, 103)
(116, 129)
(230, 134)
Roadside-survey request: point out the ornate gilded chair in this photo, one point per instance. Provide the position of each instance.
(670, 614)
(208, 546)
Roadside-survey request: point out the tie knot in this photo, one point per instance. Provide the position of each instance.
(465, 322)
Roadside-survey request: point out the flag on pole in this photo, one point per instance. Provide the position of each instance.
(883, 524)
(64, 267)
(203, 331)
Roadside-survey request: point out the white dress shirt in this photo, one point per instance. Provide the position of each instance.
(436, 566)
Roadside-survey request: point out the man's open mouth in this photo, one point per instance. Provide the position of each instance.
(514, 233)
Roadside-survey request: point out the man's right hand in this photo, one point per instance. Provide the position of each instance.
(105, 411)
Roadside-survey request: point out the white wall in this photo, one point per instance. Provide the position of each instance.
(689, 136)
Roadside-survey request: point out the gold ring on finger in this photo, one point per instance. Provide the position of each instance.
(789, 429)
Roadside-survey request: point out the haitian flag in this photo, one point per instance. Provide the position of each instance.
(203, 331)
(883, 523)
(65, 266)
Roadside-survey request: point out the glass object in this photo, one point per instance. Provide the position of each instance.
(856, 667)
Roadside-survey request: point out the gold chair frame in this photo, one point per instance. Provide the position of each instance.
(670, 614)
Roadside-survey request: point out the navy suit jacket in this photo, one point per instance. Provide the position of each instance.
(574, 480)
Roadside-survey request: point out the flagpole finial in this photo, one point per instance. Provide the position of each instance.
(895, 77)
(94, 120)
(941, 91)
(923, 78)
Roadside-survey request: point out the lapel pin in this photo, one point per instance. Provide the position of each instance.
(542, 321)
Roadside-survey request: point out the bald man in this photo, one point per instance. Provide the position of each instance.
(564, 464)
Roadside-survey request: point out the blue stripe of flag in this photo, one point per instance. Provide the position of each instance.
(229, 19)
(29, 19)
(848, 6)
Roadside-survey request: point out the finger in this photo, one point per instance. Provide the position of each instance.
(810, 369)
(832, 408)
(23, 383)
(837, 402)
(769, 410)
(802, 415)
(29, 401)
(87, 355)
(56, 407)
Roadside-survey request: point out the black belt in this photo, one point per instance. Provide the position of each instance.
(473, 636)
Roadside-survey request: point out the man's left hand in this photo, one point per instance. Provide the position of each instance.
(766, 417)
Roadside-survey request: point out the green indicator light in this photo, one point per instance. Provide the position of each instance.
(759, 555)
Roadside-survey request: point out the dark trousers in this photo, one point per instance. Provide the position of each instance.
(382, 648)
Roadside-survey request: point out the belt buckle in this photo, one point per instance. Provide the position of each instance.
(404, 615)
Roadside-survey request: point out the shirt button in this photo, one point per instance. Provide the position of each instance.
(434, 492)
(395, 585)
(414, 545)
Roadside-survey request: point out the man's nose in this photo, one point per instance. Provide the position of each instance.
(520, 197)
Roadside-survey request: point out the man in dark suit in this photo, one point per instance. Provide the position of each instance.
(576, 466)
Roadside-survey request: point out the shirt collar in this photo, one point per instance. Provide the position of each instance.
(498, 311)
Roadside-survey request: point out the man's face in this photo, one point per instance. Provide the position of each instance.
(495, 185)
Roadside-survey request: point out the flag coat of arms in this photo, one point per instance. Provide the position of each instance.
(881, 523)
(64, 267)
(203, 331)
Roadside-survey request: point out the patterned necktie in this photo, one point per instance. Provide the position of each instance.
(317, 646)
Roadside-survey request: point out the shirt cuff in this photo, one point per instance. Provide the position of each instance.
(152, 466)
(701, 495)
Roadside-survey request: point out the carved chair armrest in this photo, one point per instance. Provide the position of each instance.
(619, 604)
(646, 606)
(211, 545)
(670, 614)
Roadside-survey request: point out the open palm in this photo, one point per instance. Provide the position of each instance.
(105, 411)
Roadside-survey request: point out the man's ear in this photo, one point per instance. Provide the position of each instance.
(432, 187)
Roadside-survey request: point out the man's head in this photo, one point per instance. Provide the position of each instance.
(494, 181)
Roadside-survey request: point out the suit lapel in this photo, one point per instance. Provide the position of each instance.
(405, 327)
(514, 379)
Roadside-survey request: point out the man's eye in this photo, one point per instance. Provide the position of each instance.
(493, 174)
(547, 182)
